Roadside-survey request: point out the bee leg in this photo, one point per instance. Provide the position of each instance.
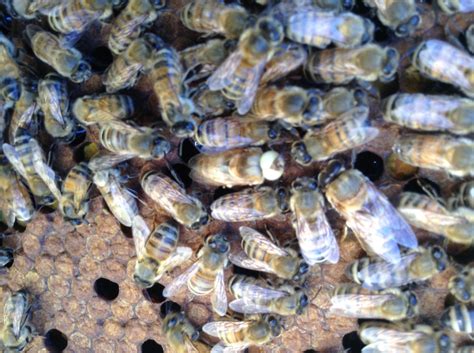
(346, 233)
(271, 236)
(369, 88)
(431, 192)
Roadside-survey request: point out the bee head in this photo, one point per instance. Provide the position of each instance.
(274, 130)
(328, 174)
(409, 26)
(152, 39)
(160, 147)
(218, 243)
(158, 4)
(10, 89)
(347, 4)
(368, 32)
(390, 64)
(304, 183)
(184, 128)
(457, 285)
(274, 324)
(47, 200)
(313, 109)
(144, 274)
(413, 306)
(444, 342)
(360, 97)
(272, 165)
(271, 30)
(300, 153)
(302, 270)
(173, 319)
(203, 220)
(82, 72)
(439, 257)
(282, 196)
(303, 302)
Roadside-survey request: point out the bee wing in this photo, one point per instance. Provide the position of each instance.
(431, 219)
(262, 242)
(24, 120)
(55, 106)
(175, 285)
(140, 233)
(387, 346)
(181, 254)
(236, 207)
(222, 77)
(172, 193)
(219, 296)
(253, 80)
(221, 328)
(14, 159)
(44, 171)
(357, 305)
(222, 348)
(246, 306)
(103, 161)
(242, 260)
(19, 316)
(253, 291)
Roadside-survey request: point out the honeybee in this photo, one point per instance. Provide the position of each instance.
(120, 201)
(74, 16)
(127, 26)
(142, 142)
(260, 254)
(430, 113)
(284, 9)
(206, 275)
(426, 213)
(464, 197)
(102, 108)
(246, 166)
(159, 253)
(62, 57)
(401, 17)
(315, 236)
(210, 103)
(453, 6)
(414, 266)
(213, 16)
(74, 202)
(167, 74)
(454, 155)
(124, 71)
(16, 203)
(27, 158)
(320, 29)
(458, 318)
(53, 100)
(29, 8)
(181, 335)
(465, 349)
(340, 100)
(251, 204)
(234, 132)
(433, 57)
(370, 62)
(239, 75)
(350, 130)
(254, 298)
(461, 285)
(17, 329)
(390, 304)
(6, 257)
(287, 58)
(380, 229)
(10, 75)
(237, 335)
(22, 120)
(169, 195)
(470, 38)
(381, 337)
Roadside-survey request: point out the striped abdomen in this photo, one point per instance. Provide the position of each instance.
(459, 318)
(115, 140)
(167, 75)
(78, 180)
(466, 194)
(162, 241)
(330, 66)
(200, 16)
(240, 79)
(72, 16)
(255, 252)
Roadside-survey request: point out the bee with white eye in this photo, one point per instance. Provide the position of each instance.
(444, 62)
(381, 337)
(169, 195)
(350, 130)
(287, 58)
(458, 318)
(370, 62)
(246, 166)
(238, 77)
(320, 29)
(74, 202)
(390, 304)
(454, 6)
(315, 236)
(430, 113)
(463, 197)
(260, 254)
(142, 142)
(206, 275)
(127, 26)
(461, 285)
(62, 57)
(427, 213)
(400, 16)
(442, 152)
(414, 266)
(380, 229)
(102, 108)
(10, 74)
(253, 297)
(6, 257)
(251, 204)
(236, 336)
(181, 335)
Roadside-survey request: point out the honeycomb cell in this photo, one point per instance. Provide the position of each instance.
(146, 312)
(81, 289)
(122, 311)
(74, 307)
(89, 268)
(75, 245)
(97, 248)
(22, 263)
(55, 340)
(63, 320)
(129, 292)
(79, 342)
(113, 269)
(113, 329)
(53, 245)
(44, 265)
(64, 266)
(31, 245)
(98, 308)
(59, 285)
(135, 331)
(35, 284)
(104, 345)
(106, 289)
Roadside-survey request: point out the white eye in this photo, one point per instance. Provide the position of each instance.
(272, 165)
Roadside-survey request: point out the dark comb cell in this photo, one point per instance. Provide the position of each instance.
(55, 341)
(80, 135)
(101, 58)
(150, 346)
(352, 342)
(182, 171)
(155, 293)
(187, 150)
(106, 289)
(243, 271)
(422, 186)
(168, 307)
(221, 191)
(127, 231)
(370, 164)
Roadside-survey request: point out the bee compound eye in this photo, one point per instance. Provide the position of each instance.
(195, 336)
(304, 300)
(413, 300)
(304, 268)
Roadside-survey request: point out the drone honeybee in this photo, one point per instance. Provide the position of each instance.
(453, 6)
(461, 285)
(239, 75)
(181, 335)
(245, 166)
(102, 108)
(370, 62)
(430, 113)
(260, 254)
(444, 62)
(206, 275)
(287, 58)
(350, 130)
(238, 335)
(142, 142)
(10, 75)
(414, 266)
(463, 197)
(74, 202)
(62, 57)
(254, 298)
(169, 195)
(160, 252)
(454, 155)
(400, 16)
(380, 229)
(6, 257)
(212, 16)
(234, 132)
(251, 204)
(127, 26)
(320, 28)
(427, 213)
(315, 236)
(458, 318)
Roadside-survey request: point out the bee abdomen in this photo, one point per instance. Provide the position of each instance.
(202, 282)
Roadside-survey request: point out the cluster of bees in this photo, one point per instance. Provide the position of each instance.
(222, 94)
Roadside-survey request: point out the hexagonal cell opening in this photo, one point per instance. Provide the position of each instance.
(155, 293)
(422, 186)
(310, 351)
(150, 346)
(55, 341)
(169, 307)
(352, 342)
(370, 164)
(106, 289)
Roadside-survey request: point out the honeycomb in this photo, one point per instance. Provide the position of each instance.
(81, 278)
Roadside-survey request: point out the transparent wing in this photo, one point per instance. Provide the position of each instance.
(358, 305)
(253, 80)
(221, 328)
(252, 291)
(181, 254)
(246, 306)
(260, 241)
(140, 233)
(168, 193)
(175, 285)
(44, 171)
(222, 77)
(221, 348)
(287, 58)
(219, 296)
(55, 106)
(14, 159)
(242, 260)
(383, 347)
(103, 161)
